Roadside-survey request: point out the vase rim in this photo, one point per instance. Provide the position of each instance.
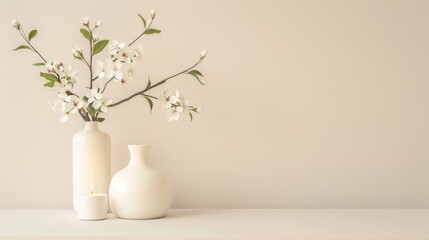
(139, 145)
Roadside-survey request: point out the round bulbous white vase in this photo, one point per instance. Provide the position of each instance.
(91, 162)
(139, 191)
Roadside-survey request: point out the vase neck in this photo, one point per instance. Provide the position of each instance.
(91, 125)
(138, 154)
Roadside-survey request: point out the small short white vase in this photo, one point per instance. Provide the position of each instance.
(139, 191)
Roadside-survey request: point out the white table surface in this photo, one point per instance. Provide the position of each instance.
(362, 224)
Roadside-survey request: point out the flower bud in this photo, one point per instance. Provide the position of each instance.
(203, 54)
(16, 24)
(85, 21)
(77, 53)
(99, 23)
(148, 22)
(152, 13)
(198, 110)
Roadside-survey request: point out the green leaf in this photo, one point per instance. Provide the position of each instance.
(32, 34)
(39, 64)
(85, 98)
(22, 47)
(91, 110)
(144, 21)
(152, 31)
(197, 75)
(190, 115)
(101, 119)
(85, 33)
(49, 77)
(196, 72)
(148, 83)
(150, 103)
(99, 46)
(49, 84)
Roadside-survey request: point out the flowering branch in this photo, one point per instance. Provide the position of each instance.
(149, 87)
(119, 66)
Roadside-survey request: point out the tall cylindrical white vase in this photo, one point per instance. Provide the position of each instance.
(91, 162)
(139, 191)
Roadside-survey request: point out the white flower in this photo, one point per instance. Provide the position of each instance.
(67, 106)
(125, 55)
(74, 104)
(85, 21)
(114, 70)
(174, 113)
(152, 13)
(95, 97)
(198, 110)
(61, 89)
(100, 69)
(98, 23)
(15, 24)
(129, 76)
(114, 48)
(203, 54)
(77, 52)
(138, 53)
(170, 100)
(96, 37)
(97, 100)
(109, 69)
(59, 106)
(64, 118)
(64, 72)
(104, 104)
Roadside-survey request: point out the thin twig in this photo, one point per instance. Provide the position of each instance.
(28, 41)
(105, 85)
(148, 26)
(90, 59)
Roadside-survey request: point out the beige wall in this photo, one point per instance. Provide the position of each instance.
(308, 103)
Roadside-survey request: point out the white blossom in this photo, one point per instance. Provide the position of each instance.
(96, 37)
(104, 104)
(95, 97)
(128, 76)
(138, 54)
(114, 70)
(16, 24)
(152, 13)
(85, 21)
(115, 47)
(77, 52)
(203, 54)
(175, 104)
(68, 106)
(100, 69)
(173, 113)
(169, 99)
(98, 23)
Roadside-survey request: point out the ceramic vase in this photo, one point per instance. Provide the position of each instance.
(91, 162)
(139, 191)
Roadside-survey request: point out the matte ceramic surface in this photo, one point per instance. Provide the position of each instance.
(91, 162)
(139, 191)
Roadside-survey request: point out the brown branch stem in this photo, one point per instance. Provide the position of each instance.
(155, 85)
